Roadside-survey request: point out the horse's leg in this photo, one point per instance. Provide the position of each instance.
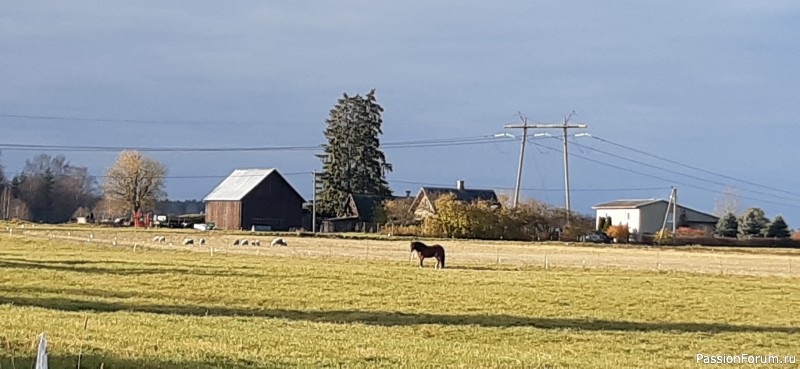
(420, 261)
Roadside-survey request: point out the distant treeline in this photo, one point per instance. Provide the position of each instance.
(49, 189)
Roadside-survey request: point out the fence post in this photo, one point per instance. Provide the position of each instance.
(546, 265)
(497, 253)
(658, 260)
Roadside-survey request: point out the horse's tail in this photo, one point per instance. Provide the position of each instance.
(443, 257)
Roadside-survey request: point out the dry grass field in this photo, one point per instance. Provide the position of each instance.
(319, 303)
(718, 260)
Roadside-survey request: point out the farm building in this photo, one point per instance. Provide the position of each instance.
(424, 204)
(358, 214)
(254, 197)
(647, 216)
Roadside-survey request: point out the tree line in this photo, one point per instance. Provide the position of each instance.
(752, 223)
(50, 189)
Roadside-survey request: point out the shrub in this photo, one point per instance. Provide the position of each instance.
(690, 232)
(753, 223)
(412, 230)
(727, 226)
(619, 232)
(663, 237)
(778, 228)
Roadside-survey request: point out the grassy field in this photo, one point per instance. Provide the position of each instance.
(695, 259)
(176, 309)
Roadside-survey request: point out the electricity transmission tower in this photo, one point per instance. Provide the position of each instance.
(566, 127)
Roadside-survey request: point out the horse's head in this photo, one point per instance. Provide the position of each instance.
(415, 245)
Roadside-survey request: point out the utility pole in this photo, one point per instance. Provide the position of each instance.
(674, 211)
(672, 205)
(314, 201)
(565, 127)
(524, 127)
(566, 161)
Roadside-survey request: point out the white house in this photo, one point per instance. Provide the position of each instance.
(647, 216)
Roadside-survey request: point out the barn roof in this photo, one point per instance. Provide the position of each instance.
(626, 204)
(238, 184)
(692, 216)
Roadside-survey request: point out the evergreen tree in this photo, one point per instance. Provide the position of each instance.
(753, 223)
(353, 161)
(727, 226)
(778, 228)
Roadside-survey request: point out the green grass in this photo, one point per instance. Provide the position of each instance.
(171, 309)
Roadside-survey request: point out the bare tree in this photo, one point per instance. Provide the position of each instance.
(135, 182)
(727, 202)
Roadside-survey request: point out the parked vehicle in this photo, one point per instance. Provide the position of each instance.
(596, 237)
(178, 221)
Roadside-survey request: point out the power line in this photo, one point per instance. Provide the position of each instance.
(535, 189)
(677, 172)
(166, 121)
(443, 142)
(669, 180)
(694, 167)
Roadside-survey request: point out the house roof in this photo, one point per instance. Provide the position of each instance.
(626, 204)
(365, 205)
(238, 184)
(466, 195)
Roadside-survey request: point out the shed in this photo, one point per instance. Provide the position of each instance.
(358, 214)
(254, 197)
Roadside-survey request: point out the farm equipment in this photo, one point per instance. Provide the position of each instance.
(178, 221)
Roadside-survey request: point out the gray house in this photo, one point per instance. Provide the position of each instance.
(647, 216)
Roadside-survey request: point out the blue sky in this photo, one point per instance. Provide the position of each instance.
(712, 84)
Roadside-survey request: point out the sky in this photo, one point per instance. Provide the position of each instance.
(711, 86)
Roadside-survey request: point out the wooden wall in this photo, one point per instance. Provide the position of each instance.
(224, 214)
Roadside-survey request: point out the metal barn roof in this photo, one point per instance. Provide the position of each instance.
(238, 184)
(626, 204)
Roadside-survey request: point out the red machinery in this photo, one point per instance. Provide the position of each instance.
(143, 220)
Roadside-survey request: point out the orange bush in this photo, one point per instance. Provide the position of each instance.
(620, 232)
(690, 232)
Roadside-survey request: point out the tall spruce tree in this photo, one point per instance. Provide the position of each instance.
(727, 226)
(778, 228)
(753, 223)
(353, 161)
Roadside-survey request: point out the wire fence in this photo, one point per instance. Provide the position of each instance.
(461, 254)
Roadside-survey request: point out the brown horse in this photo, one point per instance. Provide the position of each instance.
(425, 251)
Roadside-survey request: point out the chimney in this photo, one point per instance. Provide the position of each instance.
(408, 193)
(460, 185)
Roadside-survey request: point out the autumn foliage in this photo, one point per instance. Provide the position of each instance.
(619, 232)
